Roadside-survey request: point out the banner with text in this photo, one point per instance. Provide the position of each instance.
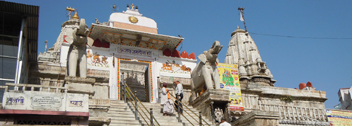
(229, 80)
(339, 117)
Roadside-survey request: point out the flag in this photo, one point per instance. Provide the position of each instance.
(241, 18)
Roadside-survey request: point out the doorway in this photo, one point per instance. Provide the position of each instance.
(136, 75)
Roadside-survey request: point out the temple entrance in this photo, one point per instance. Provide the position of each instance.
(137, 78)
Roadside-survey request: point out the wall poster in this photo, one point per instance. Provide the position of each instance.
(229, 80)
(339, 117)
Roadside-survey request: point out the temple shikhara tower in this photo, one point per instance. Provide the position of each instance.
(243, 51)
(111, 73)
(263, 100)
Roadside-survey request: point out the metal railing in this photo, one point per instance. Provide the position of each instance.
(194, 114)
(138, 108)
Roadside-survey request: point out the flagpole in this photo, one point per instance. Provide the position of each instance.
(242, 17)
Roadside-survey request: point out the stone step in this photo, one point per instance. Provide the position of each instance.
(121, 115)
(120, 109)
(123, 122)
(122, 118)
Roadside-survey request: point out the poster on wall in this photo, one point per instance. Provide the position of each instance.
(339, 117)
(229, 80)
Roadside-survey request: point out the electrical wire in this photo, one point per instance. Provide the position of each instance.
(287, 36)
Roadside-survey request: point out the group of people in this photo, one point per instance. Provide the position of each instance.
(166, 101)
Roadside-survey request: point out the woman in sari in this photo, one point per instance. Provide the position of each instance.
(166, 101)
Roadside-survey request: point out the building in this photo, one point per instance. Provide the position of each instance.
(345, 98)
(303, 106)
(24, 104)
(18, 41)
(129, 48)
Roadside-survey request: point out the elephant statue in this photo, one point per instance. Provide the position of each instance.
(77, 57)
(206, 73)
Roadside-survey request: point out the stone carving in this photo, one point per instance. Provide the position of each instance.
(77, 58)
(218, 114)
(206, 73)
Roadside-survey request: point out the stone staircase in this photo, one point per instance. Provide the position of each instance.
(121, 114)
(172, 120)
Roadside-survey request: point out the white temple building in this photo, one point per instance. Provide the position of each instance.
(128, 43)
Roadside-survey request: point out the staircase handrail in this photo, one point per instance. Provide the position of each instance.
(189, 110)
(139, 111)
(140, 103)
(186, 112)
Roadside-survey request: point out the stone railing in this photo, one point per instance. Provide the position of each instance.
(31, 87)
(250, 101)
(296, 113)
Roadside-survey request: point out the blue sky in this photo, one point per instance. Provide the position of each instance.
(327, 63)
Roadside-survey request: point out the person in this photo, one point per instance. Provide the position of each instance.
(224, 123)
(165, 101)
(179, 95)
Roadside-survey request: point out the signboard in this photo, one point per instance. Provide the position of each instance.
(339, 117)
(229, 80)
(46, 101)
(15, 100)
(76, 103)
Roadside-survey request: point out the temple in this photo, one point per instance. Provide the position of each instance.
(262, 99)
(243, 51)
(121, 65)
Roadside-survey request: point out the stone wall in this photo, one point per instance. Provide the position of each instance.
(258, 118)
(293, 106)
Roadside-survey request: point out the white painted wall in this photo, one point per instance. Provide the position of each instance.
(123, 18)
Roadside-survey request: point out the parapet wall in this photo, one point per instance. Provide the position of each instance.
(33, 97)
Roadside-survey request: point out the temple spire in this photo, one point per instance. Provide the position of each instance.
(243, 51)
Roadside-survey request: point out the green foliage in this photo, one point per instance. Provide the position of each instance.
(286, 98)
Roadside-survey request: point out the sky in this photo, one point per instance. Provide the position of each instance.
(326, 60)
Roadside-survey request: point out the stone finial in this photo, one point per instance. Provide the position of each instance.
(46, 45)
